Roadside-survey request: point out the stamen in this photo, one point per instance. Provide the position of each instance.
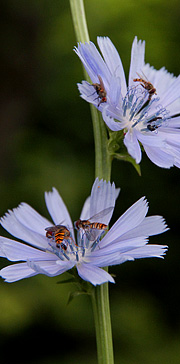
(71, 247)
(134, 101)
(66, 256)
(124, 106)
(143, 113)
(127, 101)
(94, 245)
(83, 252)
(134, 109)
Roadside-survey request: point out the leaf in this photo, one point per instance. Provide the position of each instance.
(127, 158)
(115, 141)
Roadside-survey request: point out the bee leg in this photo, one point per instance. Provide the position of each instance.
(92, 94)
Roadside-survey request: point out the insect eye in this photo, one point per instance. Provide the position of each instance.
(77, 224)
(49, 234)
(63, 246)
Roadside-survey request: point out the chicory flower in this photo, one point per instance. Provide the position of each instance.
(146, 109)
(45, 254)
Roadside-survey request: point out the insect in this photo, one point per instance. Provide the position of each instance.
(100, 90)
(147, 85)
(90, 227)
(60, 234)
(154, 126)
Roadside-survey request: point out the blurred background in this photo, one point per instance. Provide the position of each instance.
(46, 140)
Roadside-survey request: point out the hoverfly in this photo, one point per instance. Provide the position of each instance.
(60, 234)
(154, 126)
(147, 85)
(100, 90)
(90, 227)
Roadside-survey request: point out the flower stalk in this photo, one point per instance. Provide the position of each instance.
(101, 311)
(103, 161)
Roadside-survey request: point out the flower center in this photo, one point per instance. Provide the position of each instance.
(65, 247)
(142, 112)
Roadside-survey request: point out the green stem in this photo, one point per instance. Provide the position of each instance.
(100, 294)
(79, 20)
(101, 310)
(102, 158)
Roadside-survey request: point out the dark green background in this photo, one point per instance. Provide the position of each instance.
(46, 140)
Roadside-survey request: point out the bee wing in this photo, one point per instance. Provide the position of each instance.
(93, 234)
(101, 82)
(144, 76)
(139, 75)
(55, 227)
(51, 228)
(97, 217)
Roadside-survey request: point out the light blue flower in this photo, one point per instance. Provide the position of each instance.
(126, 240)
(148, 119)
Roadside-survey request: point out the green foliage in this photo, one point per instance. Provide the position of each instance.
(118, 150)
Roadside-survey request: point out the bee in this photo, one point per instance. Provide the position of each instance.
(60, 234)
(154, 126)
(90, 227)
(147, 85)
(100, 90)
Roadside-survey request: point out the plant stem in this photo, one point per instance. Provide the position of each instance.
(79, 20)
(101, 310)
(100, 294)
(103, 159)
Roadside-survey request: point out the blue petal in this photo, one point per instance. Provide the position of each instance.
(119, 245)
(159, 157)
(51, 268)
(115, 90)
(30, 218)
(172, 93)
(111, 123)
(152, 140)
(14, 251)
(137, 59)
(93, 274)
(112, 60)
(103, 196)
(118, 257)
(20, 231)
(132, 145)
(149, 251)
(151, 225)
(58, 209)
(108, 194)
(15, 272)
(115, 258)
(129, 220)
(93, 62)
